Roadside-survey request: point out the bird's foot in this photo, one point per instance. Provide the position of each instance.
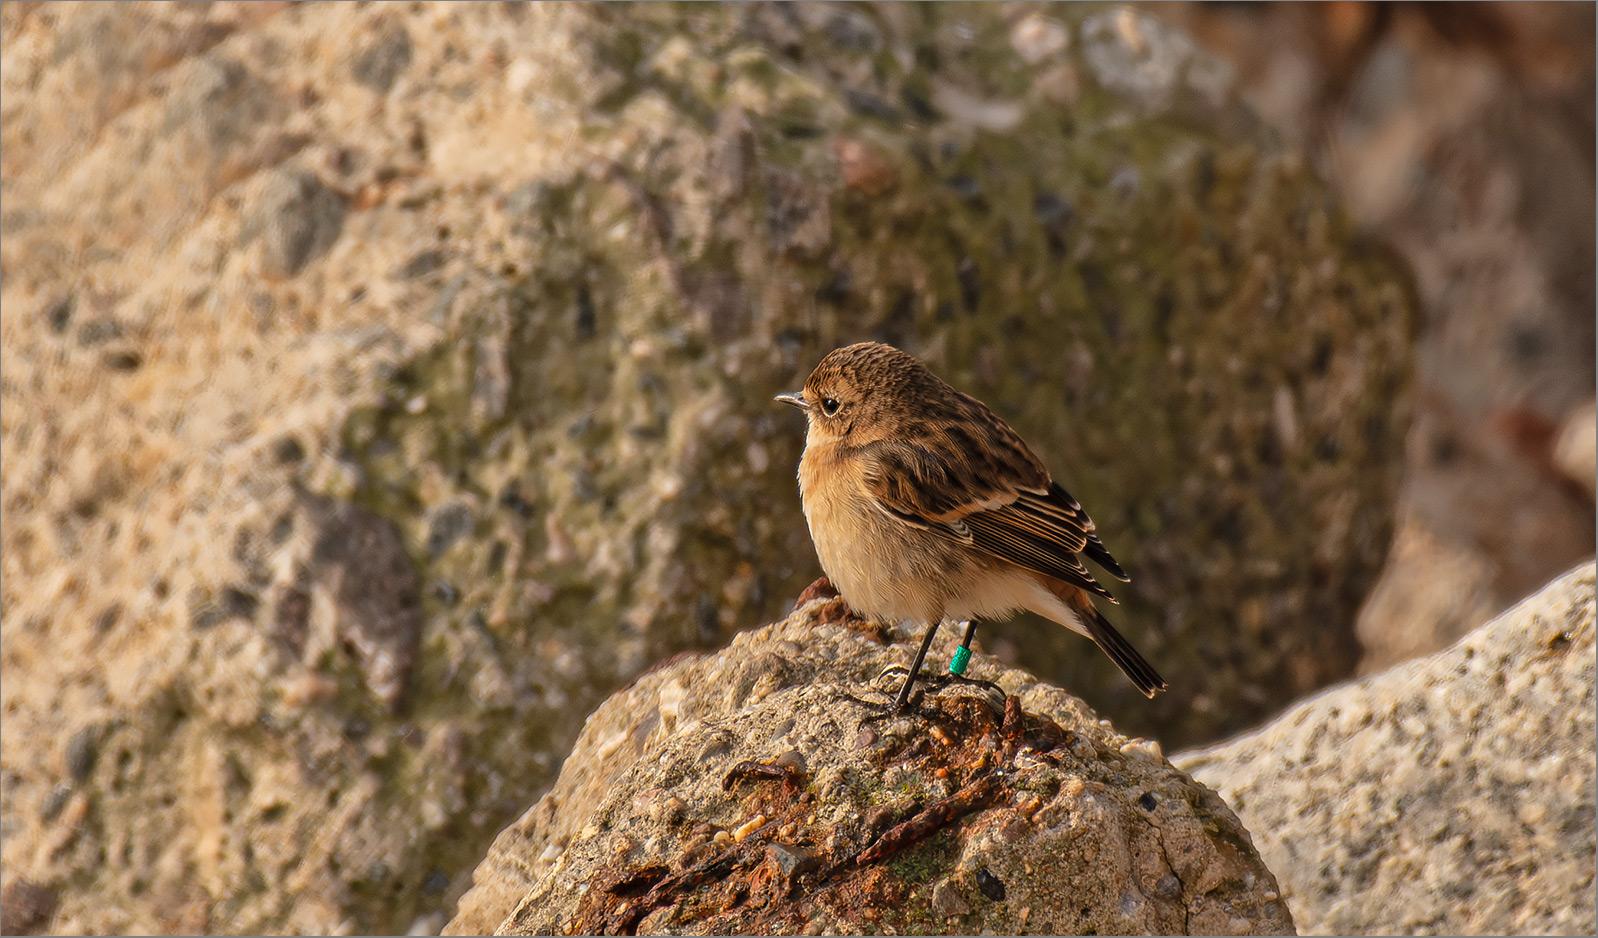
(891, 710)
(900, 704)
(897, 703)
(897, 671)
(936, 682)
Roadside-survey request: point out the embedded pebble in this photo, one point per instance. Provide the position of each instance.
(668, 810)
(55, 801)
(792, 760)
(83, 750)
(1146, 749)
(748, 827)
(947, 901)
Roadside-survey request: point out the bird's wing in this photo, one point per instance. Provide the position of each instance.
(978, 483)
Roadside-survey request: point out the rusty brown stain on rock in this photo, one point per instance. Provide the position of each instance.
(762, 884)
(837, 612)
(789, 768)
(974, 797)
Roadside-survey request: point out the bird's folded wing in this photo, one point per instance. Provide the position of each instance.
(1014, 512)
(1059, 504)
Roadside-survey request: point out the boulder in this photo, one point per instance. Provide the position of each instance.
(386, 385)
(766, 790)
(1461, 136)
(1453, 795)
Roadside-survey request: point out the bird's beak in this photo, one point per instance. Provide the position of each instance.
(797, 399)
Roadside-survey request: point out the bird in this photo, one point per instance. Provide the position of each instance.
(925, 506)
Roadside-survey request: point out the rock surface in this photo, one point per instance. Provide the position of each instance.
(383, 385)
(755, 791)
(1452, 795)
(1463, 137)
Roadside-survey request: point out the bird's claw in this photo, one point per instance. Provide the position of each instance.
(895, 670)
(892, 707)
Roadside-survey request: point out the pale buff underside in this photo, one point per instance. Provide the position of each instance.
(888, 569)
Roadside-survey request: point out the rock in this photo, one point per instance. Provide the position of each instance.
(219, 102)
(947, 900)
(109, 58)
(1576, 450)
(360, 557)
(623, 385)
(59, 312)
(1163, 301)
(993, 814)
(81, 752)
(1463, 138)
(25, 908)
(297, 220)
(1431, 588)
(1449, 795)
(382, 61)
(99, 331)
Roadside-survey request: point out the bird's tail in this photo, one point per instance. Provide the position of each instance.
(1109, 640)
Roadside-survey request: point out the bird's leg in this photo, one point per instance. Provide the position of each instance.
(903, 698)
(957, 665)
(963, 653)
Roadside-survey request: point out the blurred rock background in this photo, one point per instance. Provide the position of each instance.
(1461, 134)
(382, 386)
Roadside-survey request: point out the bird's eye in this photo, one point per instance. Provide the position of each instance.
(829, 406)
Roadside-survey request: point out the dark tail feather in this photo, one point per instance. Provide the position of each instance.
(1120, 650)
(1104, 635)
(1125, 656)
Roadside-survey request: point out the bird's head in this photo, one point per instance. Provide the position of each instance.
(866, 392)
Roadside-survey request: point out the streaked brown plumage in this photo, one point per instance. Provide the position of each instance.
(924, 505)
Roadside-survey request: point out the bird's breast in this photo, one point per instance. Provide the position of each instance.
(881, 566)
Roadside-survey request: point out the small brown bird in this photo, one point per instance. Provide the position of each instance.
(924, 506)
